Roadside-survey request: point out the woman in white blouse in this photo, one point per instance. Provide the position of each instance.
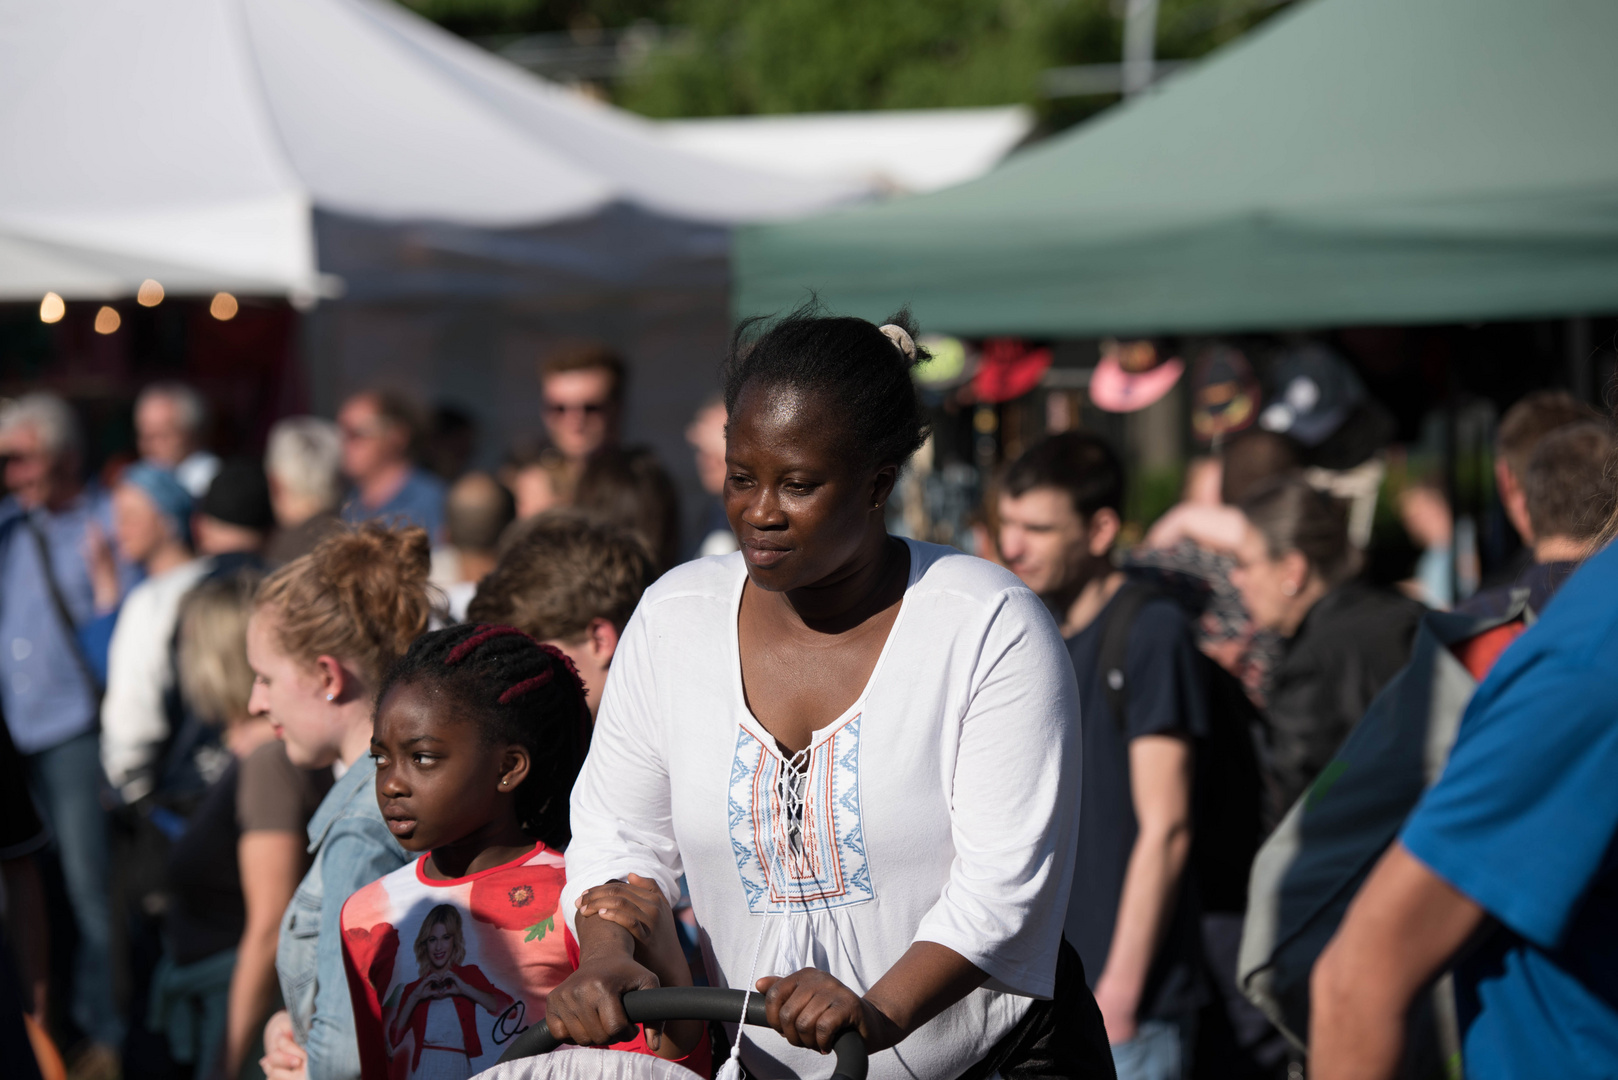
(861, 751)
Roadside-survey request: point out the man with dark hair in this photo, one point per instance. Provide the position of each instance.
(1521, 428)
(582, 387)
(379, 429)
(475, 515)
(1131, 917)
(1567, 494)
(571, 584)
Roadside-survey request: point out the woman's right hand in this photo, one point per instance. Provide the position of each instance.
(587, 1007)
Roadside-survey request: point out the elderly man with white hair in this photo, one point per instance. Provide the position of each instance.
(303, 462)
(48, 687)
(170, 423)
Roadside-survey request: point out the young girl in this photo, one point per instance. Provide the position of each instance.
(479, 734)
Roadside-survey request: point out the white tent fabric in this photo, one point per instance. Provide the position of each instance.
(897, 150)
(196, 138)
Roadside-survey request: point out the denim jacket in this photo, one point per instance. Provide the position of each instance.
(352, 848)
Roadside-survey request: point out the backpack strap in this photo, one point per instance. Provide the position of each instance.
(1113, 659)
(42, 548)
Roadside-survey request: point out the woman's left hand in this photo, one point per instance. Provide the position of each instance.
(810, 1009)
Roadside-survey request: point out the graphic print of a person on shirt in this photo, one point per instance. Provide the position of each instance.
(440, 1007)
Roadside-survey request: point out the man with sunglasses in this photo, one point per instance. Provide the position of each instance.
(581, 387)
(378, 429)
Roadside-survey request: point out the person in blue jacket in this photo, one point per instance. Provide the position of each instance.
(1506, 872)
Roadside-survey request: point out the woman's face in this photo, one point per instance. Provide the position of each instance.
(138, 526)
(291, 696)
(800, 510)
(1262, 581)
(440, 944)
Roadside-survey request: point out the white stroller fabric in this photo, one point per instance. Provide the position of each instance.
(584, 1063)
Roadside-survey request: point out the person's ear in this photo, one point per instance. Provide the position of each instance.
(601, 638)
(882, 486)
(514, 766)
(1102, 533)
(334, 682)
(1294, 572)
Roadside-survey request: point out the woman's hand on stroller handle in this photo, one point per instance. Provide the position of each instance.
(811, 1009)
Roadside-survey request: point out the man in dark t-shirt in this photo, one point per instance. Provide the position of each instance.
(1132, 917)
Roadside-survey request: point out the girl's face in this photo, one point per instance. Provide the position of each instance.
(440, 944)
(438, 780)
(292, 697)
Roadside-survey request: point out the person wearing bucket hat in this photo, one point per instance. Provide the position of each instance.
(152, 528)
(1225, 395)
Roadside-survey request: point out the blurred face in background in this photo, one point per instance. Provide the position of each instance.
(160, 433)
(371, 444)
(706, 434)
(35, 475)
(580, 413)
(138, 527)
(291, 696)
(1043, 540)
(1270, 587)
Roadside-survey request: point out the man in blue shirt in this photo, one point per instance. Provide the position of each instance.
(378, 428)
(1506, 869)
(49, 697)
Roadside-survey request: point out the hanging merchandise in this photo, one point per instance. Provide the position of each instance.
(1132, 375)
(1009, 369)
(1225, 394)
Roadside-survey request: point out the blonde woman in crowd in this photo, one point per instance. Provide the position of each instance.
(323, 631)
(233, 871)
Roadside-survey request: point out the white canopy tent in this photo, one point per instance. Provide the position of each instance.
(196, 139)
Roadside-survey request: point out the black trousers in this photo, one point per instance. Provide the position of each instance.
(1059, 1039)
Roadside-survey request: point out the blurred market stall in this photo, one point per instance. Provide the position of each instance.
(1350, 162)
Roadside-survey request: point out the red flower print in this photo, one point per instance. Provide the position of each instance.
(519, 898)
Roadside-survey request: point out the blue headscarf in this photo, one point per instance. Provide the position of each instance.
(166, 493)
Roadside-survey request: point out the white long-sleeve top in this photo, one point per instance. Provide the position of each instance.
(942, 806)
(139, 672)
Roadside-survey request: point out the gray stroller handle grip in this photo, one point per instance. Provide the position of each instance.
(694, 1003)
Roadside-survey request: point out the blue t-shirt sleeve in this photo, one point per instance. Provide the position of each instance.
(1164, 676)
(1522, 817)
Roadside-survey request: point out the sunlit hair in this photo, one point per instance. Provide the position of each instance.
(361, 596)
(447, 916)
(211, 656)
(1292, 516)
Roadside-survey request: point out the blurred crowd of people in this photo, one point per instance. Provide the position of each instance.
(192, 659)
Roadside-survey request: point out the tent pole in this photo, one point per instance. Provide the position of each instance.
(1140, 45)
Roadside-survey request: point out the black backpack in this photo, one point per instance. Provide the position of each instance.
(1227, 811)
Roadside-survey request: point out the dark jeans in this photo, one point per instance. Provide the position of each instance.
(67, 781)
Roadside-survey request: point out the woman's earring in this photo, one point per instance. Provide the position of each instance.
(331, 697)
(1290, 590)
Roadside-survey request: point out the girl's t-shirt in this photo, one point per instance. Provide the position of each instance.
(444, 974)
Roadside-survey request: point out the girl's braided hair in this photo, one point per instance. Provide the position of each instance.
(517, 691)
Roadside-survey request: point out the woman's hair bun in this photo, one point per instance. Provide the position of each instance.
(361, 595)
(861, 370)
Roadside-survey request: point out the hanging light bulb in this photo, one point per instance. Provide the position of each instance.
(108, 320)
(150, 294)
(52, 308)
(224, 307)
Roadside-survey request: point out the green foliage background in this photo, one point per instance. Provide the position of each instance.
(734, 57)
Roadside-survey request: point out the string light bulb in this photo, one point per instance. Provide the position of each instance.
(52, 308)
(223, 307)
(150, 294)
(108, 320)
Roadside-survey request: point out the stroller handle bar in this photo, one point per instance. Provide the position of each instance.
(694, 1003)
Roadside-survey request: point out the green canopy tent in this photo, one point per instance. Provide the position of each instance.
(1350, 162)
